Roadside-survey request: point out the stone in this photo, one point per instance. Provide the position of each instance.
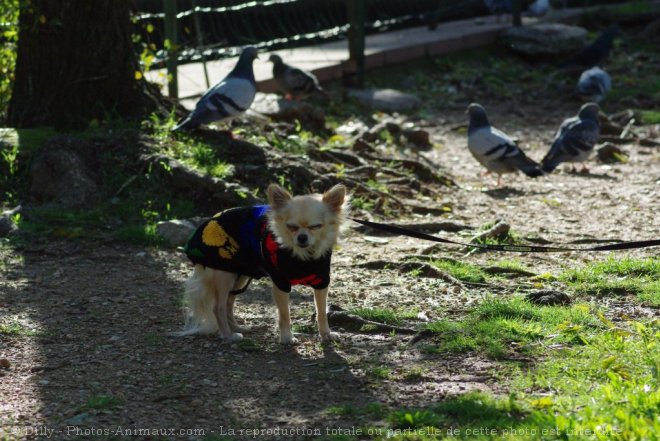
(609, 153)
(545, 38)
(386, 100)
(60, 176)
(281, 109)
(419, 137)
(7, 226)
(547, 297)
(175, 232)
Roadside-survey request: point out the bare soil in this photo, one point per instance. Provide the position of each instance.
(102, 313)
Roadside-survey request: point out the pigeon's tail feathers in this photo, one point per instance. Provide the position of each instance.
(526, 165)
(552, 159)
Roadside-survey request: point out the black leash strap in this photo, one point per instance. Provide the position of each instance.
(508, 248)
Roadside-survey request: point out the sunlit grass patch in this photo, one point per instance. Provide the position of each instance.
(16, 329)
(627, 276)
(461, 270)
(504, 328)
(609, 387)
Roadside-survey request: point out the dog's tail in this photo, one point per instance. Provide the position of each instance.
(199, 301)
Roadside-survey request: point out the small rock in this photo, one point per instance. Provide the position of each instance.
(420, 138)
(175, 232)
(548, 297)
(611, 154)
(362, 146)
(4, 363)
(7, 226)
(386, 100)
(61, 176)
(281, 109)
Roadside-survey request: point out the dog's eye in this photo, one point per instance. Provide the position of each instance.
(292, 228)
(315, 227)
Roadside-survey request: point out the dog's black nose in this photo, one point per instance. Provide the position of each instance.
(302, 239)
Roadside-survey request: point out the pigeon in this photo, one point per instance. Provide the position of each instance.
(230, 97)
(597, 51)
(575, 139)
(538, 9)
(494, 149)
(499, 7)
(295, 82)
(594, 84)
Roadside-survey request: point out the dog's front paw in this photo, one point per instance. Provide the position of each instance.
(329, 336)
(234, 337)
(288, 339)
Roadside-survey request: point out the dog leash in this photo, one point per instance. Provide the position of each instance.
(400, 231)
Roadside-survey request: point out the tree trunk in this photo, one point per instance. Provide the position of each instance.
(76, 63)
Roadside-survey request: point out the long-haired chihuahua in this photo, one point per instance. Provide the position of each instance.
(290, 240)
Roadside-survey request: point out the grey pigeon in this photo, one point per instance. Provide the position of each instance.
(494, 149)
(594, 84)
(538, 9)
(597, 51)
(230, 97)
(575, 139)
(296, 83)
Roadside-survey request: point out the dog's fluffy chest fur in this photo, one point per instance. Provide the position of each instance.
(239, 241)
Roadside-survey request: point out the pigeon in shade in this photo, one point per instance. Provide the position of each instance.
(597, 51)
(538, 9)
(575, 139)
(499, 7)
(230, 97)
(494, 149)
(296, 83)
(594, 84)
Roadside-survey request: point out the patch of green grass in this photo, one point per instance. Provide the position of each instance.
(650, 116)
(102, 402)
(249, 345)
(512, 264)
(474, 416)
(610, 386)
(414, 374)
(607, 388)
(381, 315)
(615, 276)
(379, 372)
(503, 328)
(16, 329)
(461, 270)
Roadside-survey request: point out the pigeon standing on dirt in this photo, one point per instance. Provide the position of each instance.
(594, 84)
(296, 83)
(597, 51)
(575, 139)
(494, 149)
(230, 97)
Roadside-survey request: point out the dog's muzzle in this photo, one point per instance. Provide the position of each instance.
(302, 240)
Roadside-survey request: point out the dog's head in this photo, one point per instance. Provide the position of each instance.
(307, 225)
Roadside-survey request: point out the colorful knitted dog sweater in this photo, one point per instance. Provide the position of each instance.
(239, 241)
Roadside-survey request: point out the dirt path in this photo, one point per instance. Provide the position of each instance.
(87, 323)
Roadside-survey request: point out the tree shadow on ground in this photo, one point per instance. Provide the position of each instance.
(87, 332)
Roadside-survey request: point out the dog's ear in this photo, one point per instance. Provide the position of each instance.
(277, 196)
(334, 198)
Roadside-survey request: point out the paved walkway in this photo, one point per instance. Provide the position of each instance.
(328, 61)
